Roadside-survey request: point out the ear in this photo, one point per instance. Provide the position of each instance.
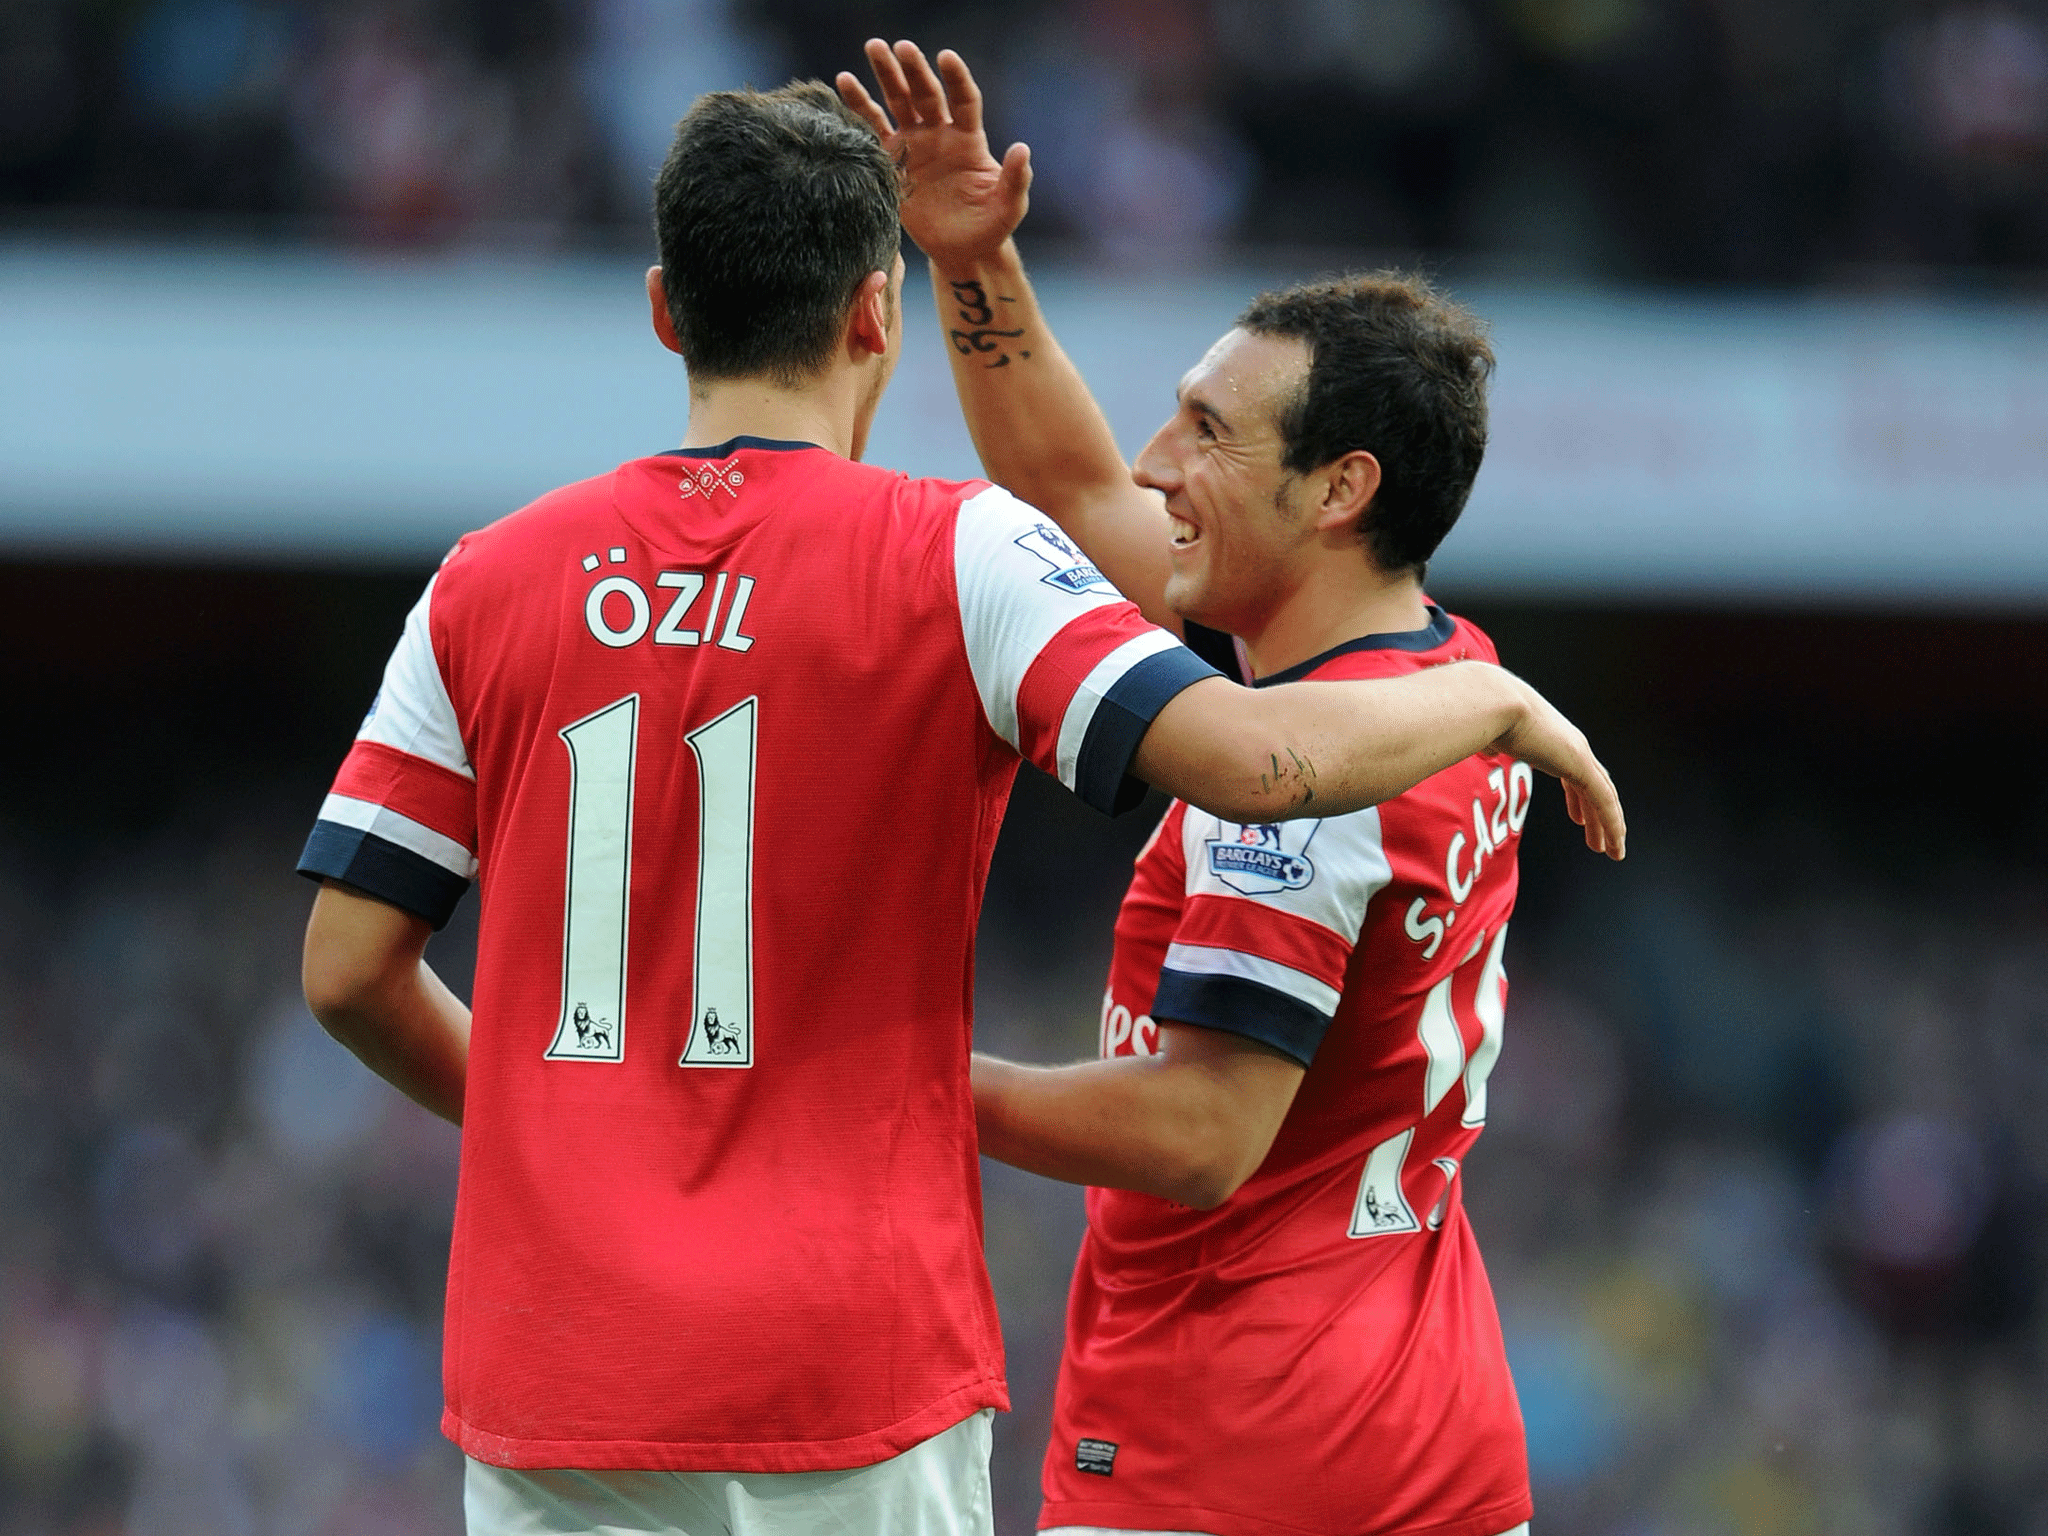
(867, 326)
(1348, 485)
(657, 299)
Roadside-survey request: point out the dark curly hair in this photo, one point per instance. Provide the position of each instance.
(1397, 370)
(770, 210)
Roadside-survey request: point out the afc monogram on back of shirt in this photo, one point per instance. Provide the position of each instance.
(619, 613)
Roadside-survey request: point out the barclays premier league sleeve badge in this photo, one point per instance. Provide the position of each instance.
(1263, 858)
(1071, 570)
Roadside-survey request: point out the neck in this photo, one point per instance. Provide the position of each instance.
(1334, 606)
(831, 411)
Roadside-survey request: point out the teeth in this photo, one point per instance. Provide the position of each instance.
(1184, 532)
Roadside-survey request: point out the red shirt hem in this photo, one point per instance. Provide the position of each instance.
(526, 1455)
(1216, 1522)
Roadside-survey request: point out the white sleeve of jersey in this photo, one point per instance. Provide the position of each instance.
(400, 820)
(412, 711)
(1024, 589)
(1274, 912)
(1325, 870)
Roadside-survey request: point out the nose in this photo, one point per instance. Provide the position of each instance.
(1156, 467)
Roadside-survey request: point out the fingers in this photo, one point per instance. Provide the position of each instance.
(1015, 186)
(1603, 817)
(889, 76)
(963, 96)
(1560, 748)
(1017, 168)
(1575, 807)
(864, 106)
(1591, 800)
(927, 98)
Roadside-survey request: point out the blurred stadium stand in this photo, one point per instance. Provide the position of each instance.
(290, 294)
(1746, 141)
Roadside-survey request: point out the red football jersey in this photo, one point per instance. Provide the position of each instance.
(1319, 1354)
(726, 736)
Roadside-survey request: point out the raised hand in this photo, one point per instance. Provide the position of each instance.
(959, 202)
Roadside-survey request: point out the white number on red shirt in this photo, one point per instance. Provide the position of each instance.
(722, 985)
(602, 747)
(1382, 1207)
(593, 1022)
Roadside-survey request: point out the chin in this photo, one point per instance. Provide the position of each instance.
(1194, 604)
(1195, 611)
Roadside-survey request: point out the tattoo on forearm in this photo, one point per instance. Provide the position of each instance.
(973, 301)
(965, 342)
(1305, 775)
(982, 336)
(1297, 780)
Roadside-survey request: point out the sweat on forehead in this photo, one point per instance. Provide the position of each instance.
(1246, 369)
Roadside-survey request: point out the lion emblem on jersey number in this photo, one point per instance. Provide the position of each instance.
(1380, 1215)
(721, 1036)
(591, 1034)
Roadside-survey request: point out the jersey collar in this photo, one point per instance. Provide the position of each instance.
(732, 445)
(1439, 630)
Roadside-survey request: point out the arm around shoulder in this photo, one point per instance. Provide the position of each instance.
(1328, 748)
(1322, 749)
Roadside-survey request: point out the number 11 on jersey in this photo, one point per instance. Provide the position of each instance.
(722, 1023)
(602, 748)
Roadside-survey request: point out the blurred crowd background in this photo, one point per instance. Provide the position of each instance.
(1764, 141)
(1761, 1194)
(1763, 1191)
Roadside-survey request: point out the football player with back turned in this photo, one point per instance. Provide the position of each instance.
(717, 1254)
(1279, 1324)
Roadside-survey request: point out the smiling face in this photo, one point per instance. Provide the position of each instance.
(1241, 539)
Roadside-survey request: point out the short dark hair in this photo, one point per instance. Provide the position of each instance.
(1395, 369)
(770, 210)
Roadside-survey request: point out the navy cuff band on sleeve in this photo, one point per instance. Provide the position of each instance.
(1242, 1007)
(1102, 769)
(382, 869)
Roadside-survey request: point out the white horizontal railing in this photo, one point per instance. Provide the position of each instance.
(300, 405)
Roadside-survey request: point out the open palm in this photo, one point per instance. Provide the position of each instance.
(959, 202)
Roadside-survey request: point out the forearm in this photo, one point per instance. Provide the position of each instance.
(368, 983)
(1377, 739)
(1324, 748)
(1118, 1124)
(411, 1031)
(1038, 430)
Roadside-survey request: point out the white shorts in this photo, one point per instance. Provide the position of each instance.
(1103, 1530)
(939, 1487)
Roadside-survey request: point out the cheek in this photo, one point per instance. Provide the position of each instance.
(1209, 493)
(1228, 526)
